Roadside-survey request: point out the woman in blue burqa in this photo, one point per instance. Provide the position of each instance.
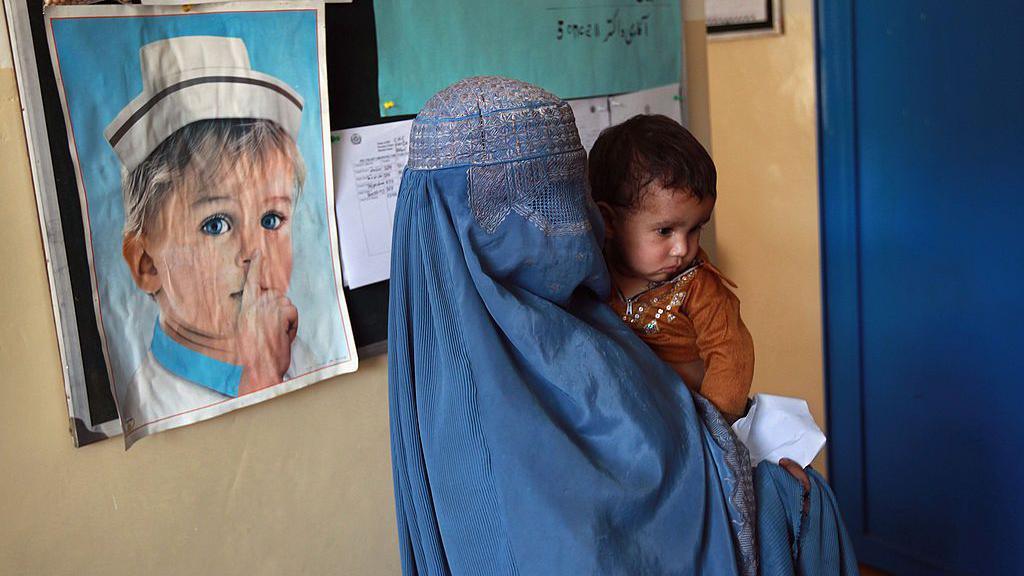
(532, 433)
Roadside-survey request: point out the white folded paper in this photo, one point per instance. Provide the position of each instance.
(779, 427)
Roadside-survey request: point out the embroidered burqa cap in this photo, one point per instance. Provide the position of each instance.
(192, 78)
(520, 145)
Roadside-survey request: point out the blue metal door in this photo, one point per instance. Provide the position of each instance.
(922, 194)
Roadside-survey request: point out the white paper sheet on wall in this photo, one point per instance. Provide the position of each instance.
(591, 117)
(368, 164)
(662, 100)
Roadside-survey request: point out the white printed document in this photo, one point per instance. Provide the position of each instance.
(591, 117)
(662, 100)
(368, 165)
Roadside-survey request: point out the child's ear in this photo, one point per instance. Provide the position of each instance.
(608, 215)
(140, 263)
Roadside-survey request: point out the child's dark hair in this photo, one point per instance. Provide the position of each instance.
(648, 149)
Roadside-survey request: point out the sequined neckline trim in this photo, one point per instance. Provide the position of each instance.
(693, 267)
(646, 316)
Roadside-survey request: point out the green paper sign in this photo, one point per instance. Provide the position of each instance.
(572, 48)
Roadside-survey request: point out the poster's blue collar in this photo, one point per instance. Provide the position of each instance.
(193, 366)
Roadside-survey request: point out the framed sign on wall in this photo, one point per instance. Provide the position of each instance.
(743, 18)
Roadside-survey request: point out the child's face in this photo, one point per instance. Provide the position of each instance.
(661, 237)
(202, 240)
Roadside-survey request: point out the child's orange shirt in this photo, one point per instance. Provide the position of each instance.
(695, 316)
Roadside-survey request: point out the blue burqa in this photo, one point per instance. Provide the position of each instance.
(532, 432)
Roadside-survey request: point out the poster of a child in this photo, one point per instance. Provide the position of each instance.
(201, 163)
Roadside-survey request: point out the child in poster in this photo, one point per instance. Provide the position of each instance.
(214, 185)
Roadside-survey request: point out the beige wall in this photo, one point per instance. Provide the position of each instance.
(298, 485)
(763, 133)
(302, 484)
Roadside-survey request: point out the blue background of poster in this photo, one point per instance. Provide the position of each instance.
(99, 66)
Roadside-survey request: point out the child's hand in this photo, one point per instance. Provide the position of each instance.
(800, 474)
(797, 472)
(267, 325)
